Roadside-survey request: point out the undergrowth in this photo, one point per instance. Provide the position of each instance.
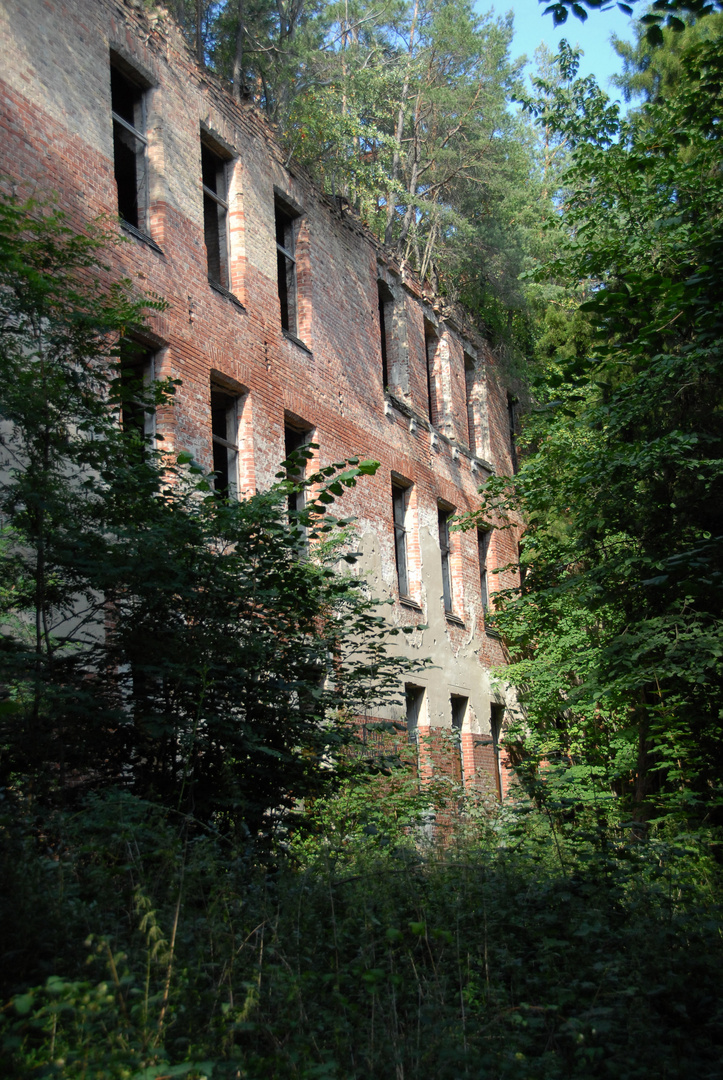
(136, 944)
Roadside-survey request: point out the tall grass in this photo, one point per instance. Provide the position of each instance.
(135, 944)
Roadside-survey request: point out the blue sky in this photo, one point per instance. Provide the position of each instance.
(593, 36)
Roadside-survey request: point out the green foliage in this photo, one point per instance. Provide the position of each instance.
(661, 15)
(60, 433)
(650, 71)
(402, 112)
(158, 953)
(616, 636)
(205, 653)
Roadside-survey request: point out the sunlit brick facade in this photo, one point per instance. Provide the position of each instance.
(285, 315)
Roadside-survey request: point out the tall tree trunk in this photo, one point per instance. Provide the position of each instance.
(199, 33)
(237, 73)
(290, 12)
(410, 215)
(399, 132)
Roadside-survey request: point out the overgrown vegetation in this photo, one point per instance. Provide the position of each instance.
(166, 908)
(155, 635)
(401, 111)
(366, 951)
(617, 635)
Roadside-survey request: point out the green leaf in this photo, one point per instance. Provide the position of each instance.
(23, 1003)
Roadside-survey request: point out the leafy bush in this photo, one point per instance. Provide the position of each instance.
(203, 652)
(155, 951)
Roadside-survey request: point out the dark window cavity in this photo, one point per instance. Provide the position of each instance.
(430, 352)
(214, 174)
(286, 267)
(459, 710)
(129, 147)
(224, 431)
(399, 503)
(459, 714)
(294, 440)
(497, 714)
(137, 373)
(414, 701)
(469, 373)
(483, 546)
(386, 307)
(512, 419)
(443, 517)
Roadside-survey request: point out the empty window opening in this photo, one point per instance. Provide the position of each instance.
(294, 440)
(129, 147)
(224, 431)
(459, 710)
(399, 504)
(386, 305)
(484, 537)
(497, 715)
(512, 419)
(214, 175)
(459, 715)
(430, 352)
(286, 267)
(137, 374)
(469, 374)
(443, 517)
(414, 703)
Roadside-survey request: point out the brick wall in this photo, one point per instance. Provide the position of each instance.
(57, 136)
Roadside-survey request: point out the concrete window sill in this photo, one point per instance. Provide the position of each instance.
(226, 294)
(406, 601)
(138, 235)
(297, 341)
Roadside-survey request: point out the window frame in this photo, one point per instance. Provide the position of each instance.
(296, 436)
(484, 541)
(415, 697)
(459, 705)
(512, 419)
(232, 446)
(431, 344)
(470, 373)
(286, 223)
(444, 513)
(497, 718)
(385, 299)
(137, 362)
(134, 82)
(400, 507)
(220, 224)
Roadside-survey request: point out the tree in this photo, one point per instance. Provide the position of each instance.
(424, 92)
(650, 71)
(202, 652)
(60, 436)
(401, 111)
(661, 14)
(617, 636)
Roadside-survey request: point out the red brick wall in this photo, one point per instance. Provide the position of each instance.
(57, 137)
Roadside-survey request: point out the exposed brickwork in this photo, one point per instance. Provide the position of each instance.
(57, 136)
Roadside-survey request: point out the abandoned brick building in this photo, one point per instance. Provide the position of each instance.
(286, 323)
